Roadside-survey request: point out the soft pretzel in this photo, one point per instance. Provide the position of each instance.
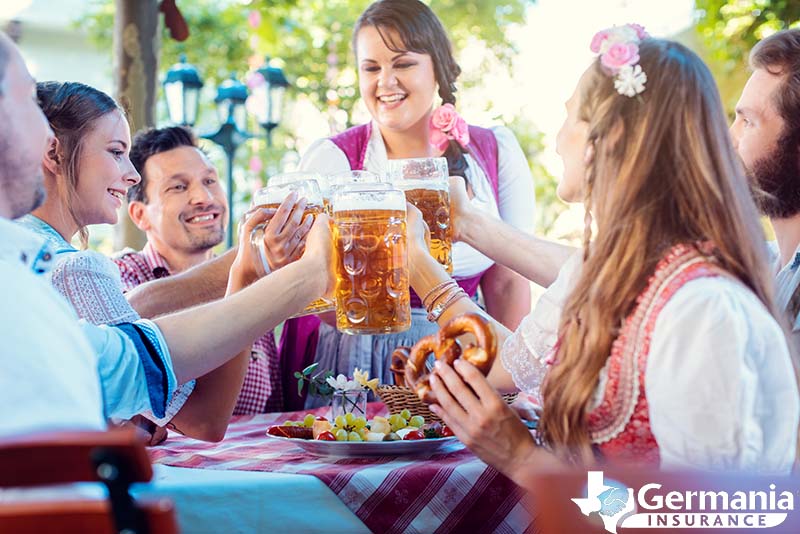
(398, 365)
(445, 346)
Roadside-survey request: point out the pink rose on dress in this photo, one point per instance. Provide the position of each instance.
(444, 118)
(619, 55)
(597, 40)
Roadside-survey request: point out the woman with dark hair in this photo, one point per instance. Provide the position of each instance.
(87, 174)
(669, 349)
(405, 60)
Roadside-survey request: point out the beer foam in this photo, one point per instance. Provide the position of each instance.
(364, 201)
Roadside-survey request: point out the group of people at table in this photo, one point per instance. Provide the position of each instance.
(666, 339)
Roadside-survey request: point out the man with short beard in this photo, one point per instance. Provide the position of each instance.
(766, 134)
(181, 207)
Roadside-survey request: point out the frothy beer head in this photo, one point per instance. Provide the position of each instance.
(279, 188)
(357, 179)
(434, 169)
(372, 294)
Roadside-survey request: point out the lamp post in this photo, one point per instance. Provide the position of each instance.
(269, 97)
(181, 88)
(232, 132)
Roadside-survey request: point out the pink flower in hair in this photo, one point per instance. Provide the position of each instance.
(446, 124)
(439, 140)
(618, 48)
(598, 39)
(620, 55)
(460, 132)
(640, 31)
(444, 118)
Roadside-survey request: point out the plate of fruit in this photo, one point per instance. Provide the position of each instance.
(351, 436)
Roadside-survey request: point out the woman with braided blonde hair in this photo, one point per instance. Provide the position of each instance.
(659, 342)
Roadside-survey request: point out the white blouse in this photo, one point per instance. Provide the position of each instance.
(515, 186)
(719, 381)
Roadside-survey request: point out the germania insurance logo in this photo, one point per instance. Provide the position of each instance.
(617, 506)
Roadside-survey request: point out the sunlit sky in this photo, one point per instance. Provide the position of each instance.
(554, 51)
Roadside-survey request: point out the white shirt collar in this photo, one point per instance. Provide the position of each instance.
(19, 244)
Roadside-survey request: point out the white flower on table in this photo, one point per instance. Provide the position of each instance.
(341, 383)
(630, 80)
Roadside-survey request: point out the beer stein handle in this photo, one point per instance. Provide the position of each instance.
(257, 242)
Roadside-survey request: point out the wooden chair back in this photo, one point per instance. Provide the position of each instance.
(115, 458)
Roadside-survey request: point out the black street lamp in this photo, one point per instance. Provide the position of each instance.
(269, 97)
(182, 86)
(182, 90)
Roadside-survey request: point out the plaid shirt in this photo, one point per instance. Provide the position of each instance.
(261, 391)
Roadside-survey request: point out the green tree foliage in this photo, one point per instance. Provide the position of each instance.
(218, 44)
(728, 29)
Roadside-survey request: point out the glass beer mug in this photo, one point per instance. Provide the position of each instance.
(271, 197)
(371, 261)
(426, 185)
(286, 178)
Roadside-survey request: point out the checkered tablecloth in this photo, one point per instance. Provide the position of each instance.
(450, 491)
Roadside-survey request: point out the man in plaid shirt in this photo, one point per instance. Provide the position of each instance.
(181, 206)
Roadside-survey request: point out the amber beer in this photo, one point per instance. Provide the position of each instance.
(369, 229)
(271, 197)
(426, 185)
(434, 203)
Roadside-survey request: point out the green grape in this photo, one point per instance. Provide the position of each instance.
(360, 423)
(393, 419)
(354, 436)
(363, 433)
(405, 414)
(341, 435)
(398, 424)
(339, 421)
(288, 423)
(417, 421)
(309, 420)
(350, 418)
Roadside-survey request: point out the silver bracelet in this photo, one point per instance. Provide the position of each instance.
(260, 247)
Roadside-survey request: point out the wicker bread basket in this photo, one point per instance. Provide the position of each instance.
(397, 399)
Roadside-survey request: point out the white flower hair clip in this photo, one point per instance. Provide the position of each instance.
(619, 55)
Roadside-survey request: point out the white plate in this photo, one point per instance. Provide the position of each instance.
(354, 449)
